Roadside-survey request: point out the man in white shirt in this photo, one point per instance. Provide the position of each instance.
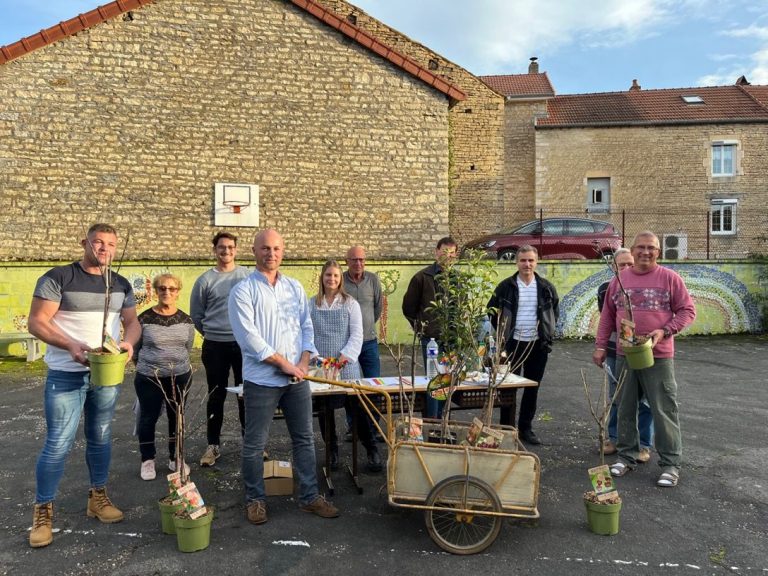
(270, 319)
(527, 306)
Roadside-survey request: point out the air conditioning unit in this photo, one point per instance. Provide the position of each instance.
(675, 247)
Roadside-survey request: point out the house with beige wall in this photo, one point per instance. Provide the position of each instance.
(689, 163)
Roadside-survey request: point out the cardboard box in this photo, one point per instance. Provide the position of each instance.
(278, 478)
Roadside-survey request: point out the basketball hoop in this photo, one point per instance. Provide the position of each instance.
(237, 197)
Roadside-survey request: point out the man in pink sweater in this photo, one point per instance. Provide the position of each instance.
(661, 307)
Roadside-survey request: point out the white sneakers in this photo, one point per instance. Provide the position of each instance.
(172, 467)
(148, 470)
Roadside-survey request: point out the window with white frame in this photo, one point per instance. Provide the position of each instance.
(722, 217)
(724, 158)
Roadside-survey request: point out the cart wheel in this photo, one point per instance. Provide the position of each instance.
(455, 530)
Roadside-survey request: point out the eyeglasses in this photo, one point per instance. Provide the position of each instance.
(647, 248)
(167, 289)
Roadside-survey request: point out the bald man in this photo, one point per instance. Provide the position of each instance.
(270, 318)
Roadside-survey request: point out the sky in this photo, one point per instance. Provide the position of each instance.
(583, 45)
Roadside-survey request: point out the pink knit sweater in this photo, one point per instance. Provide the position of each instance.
(659, 300)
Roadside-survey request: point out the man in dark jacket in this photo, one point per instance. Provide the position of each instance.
(417, 301)
(527, 307)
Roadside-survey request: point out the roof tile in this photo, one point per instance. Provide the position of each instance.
(721, 103)
(113, 9)
(521, 85)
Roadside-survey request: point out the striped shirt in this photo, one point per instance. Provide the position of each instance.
(80, 296)
(165, 344)
(527, 306)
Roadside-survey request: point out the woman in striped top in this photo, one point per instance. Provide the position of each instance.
(163, 369)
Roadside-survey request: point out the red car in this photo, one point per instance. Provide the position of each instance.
(554, 238)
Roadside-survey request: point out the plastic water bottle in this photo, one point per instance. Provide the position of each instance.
(491, 346)
(432, 353)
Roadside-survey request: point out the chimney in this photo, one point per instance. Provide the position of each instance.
(533, 67)
(635, 85)
(742, 81)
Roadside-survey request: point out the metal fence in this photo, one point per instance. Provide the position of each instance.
(683, 233)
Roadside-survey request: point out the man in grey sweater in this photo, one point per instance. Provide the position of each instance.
(208, 307)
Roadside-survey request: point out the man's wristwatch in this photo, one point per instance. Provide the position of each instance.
(667, 332)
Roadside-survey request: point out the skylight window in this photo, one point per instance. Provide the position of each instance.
(693, 99)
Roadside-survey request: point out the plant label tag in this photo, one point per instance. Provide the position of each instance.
(602, 482)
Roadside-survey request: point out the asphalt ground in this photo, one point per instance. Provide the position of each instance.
(714, 522)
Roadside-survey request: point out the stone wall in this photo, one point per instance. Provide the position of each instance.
(476, 128)
(520, 159)
(661, 176)
(133, 121)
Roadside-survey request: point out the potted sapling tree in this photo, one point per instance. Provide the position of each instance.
(603, 503)
(107, 363)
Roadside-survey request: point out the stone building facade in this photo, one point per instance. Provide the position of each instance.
(690, 164)
(133, 121)
(476, 125)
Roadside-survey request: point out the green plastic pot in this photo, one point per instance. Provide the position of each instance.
(603, 518)
(640, 356)
(167, 510)
(193, 535)
(107, 369)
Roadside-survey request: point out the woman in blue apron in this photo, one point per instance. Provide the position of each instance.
(338, 325)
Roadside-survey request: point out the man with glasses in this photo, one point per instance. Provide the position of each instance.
(365, 287)
(208, 309)
(623, 259)
(661, 308)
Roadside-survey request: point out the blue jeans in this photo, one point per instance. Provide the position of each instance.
(644, 414)
(295, 400)
(67, 396)
(370, 363)
(658, 385)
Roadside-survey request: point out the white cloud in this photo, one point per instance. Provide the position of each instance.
(759, 32)
(502, 34)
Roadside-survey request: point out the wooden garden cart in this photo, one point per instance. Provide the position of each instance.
(464, 491)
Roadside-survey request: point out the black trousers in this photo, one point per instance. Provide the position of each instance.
(219, 358)
(533, 369)
(152, 397)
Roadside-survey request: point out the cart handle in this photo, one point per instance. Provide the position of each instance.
(360, 389)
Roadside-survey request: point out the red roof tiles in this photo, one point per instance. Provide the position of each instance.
(118, 7)
(521, 85)
(68, 28)
(648, 107)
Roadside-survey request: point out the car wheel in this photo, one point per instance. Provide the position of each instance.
(507, 255)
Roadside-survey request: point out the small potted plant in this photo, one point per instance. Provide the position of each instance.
(183, 511)
(603, 503)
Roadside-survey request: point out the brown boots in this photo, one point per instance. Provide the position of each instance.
(42, 526)
(101, 507)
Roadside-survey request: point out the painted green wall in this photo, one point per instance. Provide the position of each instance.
(730, 296)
